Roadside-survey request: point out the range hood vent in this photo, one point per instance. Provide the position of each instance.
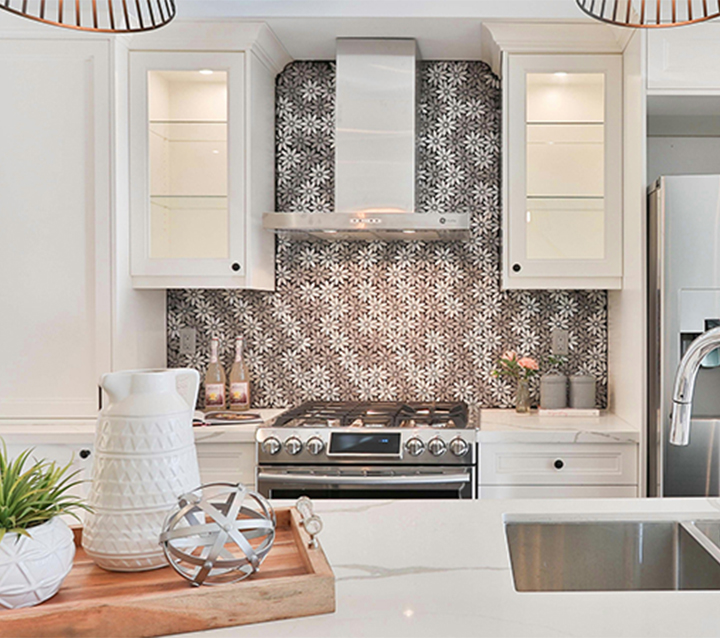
(375, 126)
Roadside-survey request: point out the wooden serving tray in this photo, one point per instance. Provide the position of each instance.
(293, 581)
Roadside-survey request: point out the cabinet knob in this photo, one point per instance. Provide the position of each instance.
(235, 266)
(517, 267)
(84, 454)
(559, 464)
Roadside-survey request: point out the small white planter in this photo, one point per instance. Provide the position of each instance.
(32, 569)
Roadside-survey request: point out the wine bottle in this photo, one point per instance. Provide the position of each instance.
(214, 380)
(239, 379)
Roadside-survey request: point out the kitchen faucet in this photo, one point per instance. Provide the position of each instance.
(685, 384)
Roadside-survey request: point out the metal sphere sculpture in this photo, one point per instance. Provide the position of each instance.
(220, 533)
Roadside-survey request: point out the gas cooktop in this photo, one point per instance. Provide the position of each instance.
(374, 414)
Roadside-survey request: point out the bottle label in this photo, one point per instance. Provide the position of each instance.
(215, 395)
(240, 393)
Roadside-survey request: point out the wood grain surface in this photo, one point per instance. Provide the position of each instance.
(293, 581)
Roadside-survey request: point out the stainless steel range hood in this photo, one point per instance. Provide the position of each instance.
(375, 126)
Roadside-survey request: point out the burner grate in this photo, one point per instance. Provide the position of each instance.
(370, 414)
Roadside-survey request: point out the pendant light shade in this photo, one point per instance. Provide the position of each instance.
(104, 16)
(650, 14)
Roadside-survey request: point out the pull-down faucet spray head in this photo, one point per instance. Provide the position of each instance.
(685, 384)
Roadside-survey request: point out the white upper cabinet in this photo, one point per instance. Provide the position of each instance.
(188, 200)
(69, 311)
(54, 243)
(684, 61)
(562, 204)
(201, 164)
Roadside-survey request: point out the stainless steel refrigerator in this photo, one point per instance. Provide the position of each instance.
(683, 302)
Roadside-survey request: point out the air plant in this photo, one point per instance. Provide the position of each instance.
(30, 497)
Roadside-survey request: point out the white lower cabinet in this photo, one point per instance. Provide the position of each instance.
(219, 462)
(79, 455)
(544, 470)
(227, 463)
(557, 491)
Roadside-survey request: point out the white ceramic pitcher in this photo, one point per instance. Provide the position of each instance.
(144, 459)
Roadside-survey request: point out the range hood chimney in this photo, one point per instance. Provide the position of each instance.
(375, 127)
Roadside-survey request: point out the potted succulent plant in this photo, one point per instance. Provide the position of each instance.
(36, 545)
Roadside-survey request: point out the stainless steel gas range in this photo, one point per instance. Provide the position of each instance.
(369, 450)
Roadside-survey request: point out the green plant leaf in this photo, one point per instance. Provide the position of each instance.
(33, 491)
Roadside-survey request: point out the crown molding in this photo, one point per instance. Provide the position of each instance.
(548, 37)
(211, 35)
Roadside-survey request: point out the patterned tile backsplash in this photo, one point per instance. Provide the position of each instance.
(391, 320)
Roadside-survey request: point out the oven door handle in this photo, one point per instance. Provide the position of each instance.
(325, 479)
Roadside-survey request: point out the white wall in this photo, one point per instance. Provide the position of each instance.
(682, 156)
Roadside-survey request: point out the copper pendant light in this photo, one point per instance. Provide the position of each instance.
(103, 16)
(650, 14)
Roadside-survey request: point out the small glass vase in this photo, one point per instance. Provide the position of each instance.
(522, 399)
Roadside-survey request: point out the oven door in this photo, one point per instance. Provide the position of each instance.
(376, 482)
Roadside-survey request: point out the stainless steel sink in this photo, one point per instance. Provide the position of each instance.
(614, 555)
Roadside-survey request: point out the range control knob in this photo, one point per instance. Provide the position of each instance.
(271, 445)
(437, 446)
(293, 445)
(459, 447)
(415, 446)
(315, 445)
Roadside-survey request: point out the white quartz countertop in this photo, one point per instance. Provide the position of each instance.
(507, 426)
(70, 432)
(441, 568)
(496, 426)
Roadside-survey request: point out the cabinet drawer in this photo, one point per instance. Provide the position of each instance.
(227, 463)
(557, 491)
(546, 464)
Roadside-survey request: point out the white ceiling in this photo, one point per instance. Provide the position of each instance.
(444, 29)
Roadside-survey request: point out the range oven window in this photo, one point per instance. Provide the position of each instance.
(351, 443)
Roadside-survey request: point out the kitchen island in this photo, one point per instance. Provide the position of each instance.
(441, 568)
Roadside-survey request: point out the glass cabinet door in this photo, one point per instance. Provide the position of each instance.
(186, 181)
(564, 169)
(187, 132)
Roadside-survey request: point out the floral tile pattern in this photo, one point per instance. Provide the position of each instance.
(391, 320)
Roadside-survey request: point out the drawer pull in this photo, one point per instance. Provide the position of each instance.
(559, 464)
(84, 454)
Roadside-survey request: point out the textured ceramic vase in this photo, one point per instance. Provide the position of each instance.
(33, 568)
(144, 459)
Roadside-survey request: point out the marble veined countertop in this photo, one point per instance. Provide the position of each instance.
(496, 426)
(68, 432)
(507, 426)
(441, 568)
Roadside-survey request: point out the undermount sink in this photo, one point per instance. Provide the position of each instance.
(614, 555)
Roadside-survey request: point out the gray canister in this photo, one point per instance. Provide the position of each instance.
(553, 391)
(582, 392)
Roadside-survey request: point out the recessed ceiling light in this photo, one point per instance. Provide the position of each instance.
(206, 72)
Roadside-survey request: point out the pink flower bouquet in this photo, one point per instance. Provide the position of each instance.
(511, 365)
